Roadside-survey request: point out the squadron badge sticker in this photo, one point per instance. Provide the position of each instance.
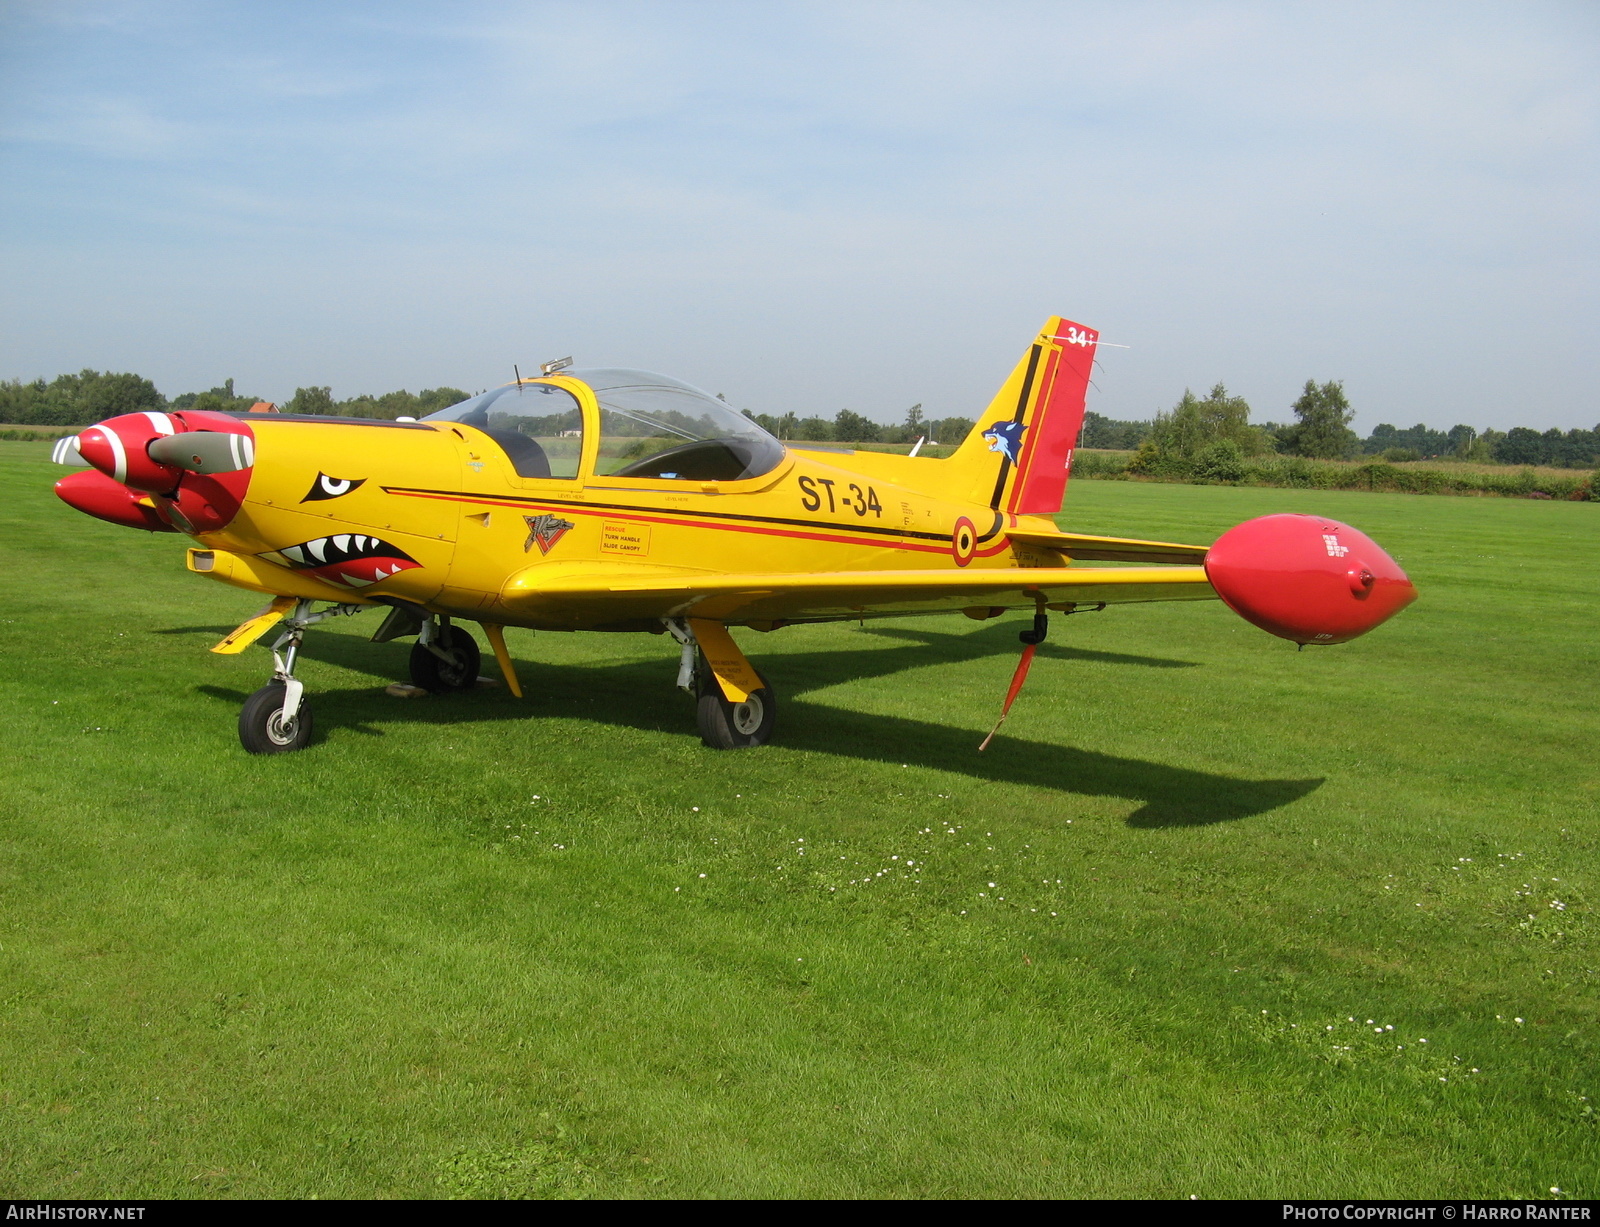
(1006, 438)
(544, 531)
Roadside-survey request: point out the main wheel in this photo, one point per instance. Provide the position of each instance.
(262, 728)
(459, 672)
(735, 726)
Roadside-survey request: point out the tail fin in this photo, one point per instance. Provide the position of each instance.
(1019, 454)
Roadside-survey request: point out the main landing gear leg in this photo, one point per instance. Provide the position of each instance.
(277, 718)
(734, 705)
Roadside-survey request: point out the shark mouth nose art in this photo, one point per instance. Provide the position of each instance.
(351, 560)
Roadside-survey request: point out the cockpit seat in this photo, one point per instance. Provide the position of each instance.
(527, 457)
(700, 460)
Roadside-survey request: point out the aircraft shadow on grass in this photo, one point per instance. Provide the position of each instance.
(218, 631)
(639, 695)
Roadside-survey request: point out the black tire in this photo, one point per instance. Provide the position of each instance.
(735, 726)
(261, 726)
(460, 672)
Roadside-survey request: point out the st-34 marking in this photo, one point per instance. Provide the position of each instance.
(860, 501)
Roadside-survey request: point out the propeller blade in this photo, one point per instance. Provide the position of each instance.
(66, 452)
(205, 451)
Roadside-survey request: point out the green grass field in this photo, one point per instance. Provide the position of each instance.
(1151, 943)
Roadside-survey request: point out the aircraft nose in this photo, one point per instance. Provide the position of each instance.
(194, 466)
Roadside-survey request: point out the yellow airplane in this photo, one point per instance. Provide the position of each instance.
(618, 500)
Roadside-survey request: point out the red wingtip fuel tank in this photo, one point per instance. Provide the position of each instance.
(1307, 578)
(189, 496)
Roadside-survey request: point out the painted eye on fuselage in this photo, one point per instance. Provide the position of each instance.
(331, 487)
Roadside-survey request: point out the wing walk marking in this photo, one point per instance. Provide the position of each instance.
(639, 513)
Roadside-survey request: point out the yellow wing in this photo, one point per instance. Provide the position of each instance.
(581, 595)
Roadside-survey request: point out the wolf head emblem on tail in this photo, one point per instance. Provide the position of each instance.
(1006, 438)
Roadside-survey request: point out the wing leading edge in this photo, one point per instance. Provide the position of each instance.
(585, 596)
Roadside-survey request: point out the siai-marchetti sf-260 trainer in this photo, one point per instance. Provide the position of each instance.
(617, 500)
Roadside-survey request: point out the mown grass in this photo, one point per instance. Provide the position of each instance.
(471, 946)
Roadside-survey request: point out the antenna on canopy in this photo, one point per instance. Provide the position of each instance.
(560, 364)
(518, 373)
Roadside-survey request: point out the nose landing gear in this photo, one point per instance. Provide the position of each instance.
(276, 718)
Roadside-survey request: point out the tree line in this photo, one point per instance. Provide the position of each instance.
(1321, 431)
(849, 426)
(1215, 427)
(93, 396)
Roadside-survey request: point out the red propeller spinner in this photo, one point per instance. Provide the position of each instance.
(185, 471)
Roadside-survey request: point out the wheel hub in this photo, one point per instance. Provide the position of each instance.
(279, 730)
(747, 716)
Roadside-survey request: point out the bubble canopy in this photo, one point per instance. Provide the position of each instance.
(651, 425)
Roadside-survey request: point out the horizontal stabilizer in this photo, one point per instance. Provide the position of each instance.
(1112, 549)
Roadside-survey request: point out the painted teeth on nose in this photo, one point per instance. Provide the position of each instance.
(294, 553)
(316, 548)
(342, 543)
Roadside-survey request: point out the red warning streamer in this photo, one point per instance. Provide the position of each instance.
(1017, 678)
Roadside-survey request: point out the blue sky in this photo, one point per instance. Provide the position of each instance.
(812, 206)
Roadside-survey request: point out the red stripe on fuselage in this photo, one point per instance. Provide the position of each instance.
(567, 508)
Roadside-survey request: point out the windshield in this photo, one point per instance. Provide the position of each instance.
(655, 426)
(539, 427)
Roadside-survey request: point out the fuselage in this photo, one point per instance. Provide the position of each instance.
(436, 513)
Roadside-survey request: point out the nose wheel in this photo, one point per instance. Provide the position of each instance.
(266, 726)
